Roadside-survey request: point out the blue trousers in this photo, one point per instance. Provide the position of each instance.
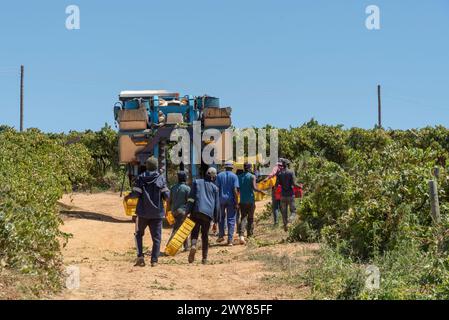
(155, 226)
(228, 216)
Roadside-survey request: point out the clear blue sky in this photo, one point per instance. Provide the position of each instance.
(276, 62)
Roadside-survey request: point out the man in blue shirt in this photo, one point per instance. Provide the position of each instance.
(228, 185)
(151, 189)
(203, 208)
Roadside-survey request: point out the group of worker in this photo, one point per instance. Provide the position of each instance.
(222, 199)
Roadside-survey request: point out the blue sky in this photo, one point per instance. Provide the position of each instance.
(274, 62)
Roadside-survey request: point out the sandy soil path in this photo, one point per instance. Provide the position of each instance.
(103, 248)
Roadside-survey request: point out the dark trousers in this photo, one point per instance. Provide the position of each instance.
(288, 202)
(275, 206)
(246, 219)
(155, 226)
(202, 223)
(179, 220)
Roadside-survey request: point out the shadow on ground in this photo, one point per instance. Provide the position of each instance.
(93, 216)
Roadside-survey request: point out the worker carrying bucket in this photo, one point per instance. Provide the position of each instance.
(247, 182)
(179, 194)
(151, 189)
(286, 185)
(203, 208)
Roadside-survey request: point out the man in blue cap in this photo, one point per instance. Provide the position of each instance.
(228, 185)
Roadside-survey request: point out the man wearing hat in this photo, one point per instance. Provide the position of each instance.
(275, 204)
(151, 189)
(287, 180)
(228, 185)
(203, 207)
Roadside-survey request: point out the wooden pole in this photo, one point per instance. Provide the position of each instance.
(21, 97)
(436, 172)
(379, 107)
(434, 202)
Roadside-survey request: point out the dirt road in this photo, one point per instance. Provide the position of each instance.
(103, 248)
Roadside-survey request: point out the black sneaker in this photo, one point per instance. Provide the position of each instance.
(192, 254)
(154, 264)
(204, 261)
(285, 228)
(140, 262)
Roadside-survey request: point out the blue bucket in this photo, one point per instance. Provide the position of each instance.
(134, 104)
(205, 102)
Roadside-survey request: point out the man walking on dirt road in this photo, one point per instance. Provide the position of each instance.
(179, 195)
(203, 207)
(287, 180)
(228, 185)
(247, 182)
(275, 204)
(151, 189)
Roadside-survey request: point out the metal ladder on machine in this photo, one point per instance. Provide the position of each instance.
(156, 147)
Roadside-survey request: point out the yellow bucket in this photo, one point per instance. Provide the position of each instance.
(168, 214)
(180, 236)
(170, 218)
(130, 206)
(259, 196)
(267, 184)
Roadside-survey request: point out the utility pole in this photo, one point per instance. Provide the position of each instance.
(433, 192)
(21, 98)
(379, 108)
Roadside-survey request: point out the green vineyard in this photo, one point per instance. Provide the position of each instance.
(366, 202)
